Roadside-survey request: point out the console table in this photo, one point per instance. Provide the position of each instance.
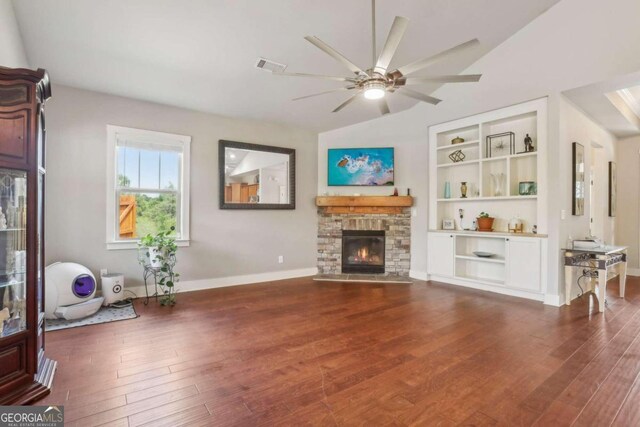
(601, 259)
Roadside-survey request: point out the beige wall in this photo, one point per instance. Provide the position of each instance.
(12, 53)
(575, 126)
(224, 243)
(628, 229)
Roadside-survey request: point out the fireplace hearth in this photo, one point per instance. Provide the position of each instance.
(363, 251)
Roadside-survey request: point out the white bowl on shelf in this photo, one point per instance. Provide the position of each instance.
(483, 254)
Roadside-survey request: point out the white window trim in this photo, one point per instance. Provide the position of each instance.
(183, 141)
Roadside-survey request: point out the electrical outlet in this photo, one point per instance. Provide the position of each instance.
(414, 212)
(563, 214)
(280, 259)
(103, 272)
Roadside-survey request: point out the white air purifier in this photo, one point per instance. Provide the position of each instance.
(69, 291)
(112, 288)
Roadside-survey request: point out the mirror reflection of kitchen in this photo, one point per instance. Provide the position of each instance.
(256, 177)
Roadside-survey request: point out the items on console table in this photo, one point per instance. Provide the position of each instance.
(600, 260)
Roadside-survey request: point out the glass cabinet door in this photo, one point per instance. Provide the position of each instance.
(13, 254)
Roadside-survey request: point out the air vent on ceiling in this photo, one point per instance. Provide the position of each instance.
(268, 65)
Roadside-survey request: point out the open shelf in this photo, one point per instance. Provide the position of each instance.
(459, 146)
(488, 199)
(469, 133)
(463, 163)
(472, 257)
(510, 166)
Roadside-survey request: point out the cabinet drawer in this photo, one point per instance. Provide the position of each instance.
(15, 94)
(14, 128)
(12, 362)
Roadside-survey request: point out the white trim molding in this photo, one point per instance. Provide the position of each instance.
(222, 282)
(633, 271)
(553, 300)
(418, 275)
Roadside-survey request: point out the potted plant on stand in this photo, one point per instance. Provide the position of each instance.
(159, 253)
(485, 222)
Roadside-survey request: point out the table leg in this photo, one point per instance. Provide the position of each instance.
(623, 278)
(602, 289)
(568, 283)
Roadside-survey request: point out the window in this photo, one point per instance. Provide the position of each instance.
(148, 185)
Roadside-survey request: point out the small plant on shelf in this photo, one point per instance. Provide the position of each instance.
(159, 253)
(485, 222)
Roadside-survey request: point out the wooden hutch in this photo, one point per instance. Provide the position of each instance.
(25, 373)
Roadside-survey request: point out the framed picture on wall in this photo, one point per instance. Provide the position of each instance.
(613, 188)
(578, 173)
(360, 166)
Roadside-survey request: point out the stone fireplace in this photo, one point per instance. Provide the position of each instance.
(365, 238)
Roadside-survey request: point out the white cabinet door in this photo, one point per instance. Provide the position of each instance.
(440, 254)
(523, 263)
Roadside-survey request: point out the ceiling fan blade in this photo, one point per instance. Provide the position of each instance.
(317, 76)
(396, 32)
(384, 107)
(423, 63)
(325, 92)
(334, 54)
(419, 96)
(440, 79)
(345, 103)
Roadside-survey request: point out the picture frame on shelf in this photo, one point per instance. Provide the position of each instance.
(527, 188)
(613, 188)
(578, 174)
(448, 224)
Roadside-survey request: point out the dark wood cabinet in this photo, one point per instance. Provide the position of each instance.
(26, 373)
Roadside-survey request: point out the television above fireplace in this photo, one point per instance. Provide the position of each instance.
(360, 166)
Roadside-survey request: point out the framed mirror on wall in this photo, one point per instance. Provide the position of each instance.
(578, 175)
(254, 176)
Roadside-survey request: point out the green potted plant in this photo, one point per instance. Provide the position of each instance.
(485, 222)
(159, 253)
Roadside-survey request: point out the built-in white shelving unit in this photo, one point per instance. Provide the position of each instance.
(519, 262)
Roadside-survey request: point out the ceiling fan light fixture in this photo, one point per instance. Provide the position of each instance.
(374, 90)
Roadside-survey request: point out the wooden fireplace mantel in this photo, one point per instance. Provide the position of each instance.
(364, 204)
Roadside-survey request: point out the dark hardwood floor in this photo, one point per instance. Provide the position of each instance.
(300, 352)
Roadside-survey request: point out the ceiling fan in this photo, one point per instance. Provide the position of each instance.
(375, 82)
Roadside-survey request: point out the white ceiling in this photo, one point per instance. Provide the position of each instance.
(602, 102)
(200, 54)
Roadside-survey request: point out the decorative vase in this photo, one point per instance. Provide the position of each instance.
(447, 190)
(463, 190)
(485, 224)
(154, 254)
(498, 183)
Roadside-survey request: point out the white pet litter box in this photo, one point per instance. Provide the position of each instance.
(69, 291)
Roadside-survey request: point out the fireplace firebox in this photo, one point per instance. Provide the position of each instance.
(363, 251)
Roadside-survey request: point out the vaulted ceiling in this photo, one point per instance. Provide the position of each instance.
(200, 54)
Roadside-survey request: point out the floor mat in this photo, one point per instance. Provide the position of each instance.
(104, 315)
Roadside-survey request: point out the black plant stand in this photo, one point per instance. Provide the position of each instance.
(150, 271)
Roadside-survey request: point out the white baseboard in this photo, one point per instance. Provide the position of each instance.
(419, 275)
(633, 271)
(221, 282)
(553, 300)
